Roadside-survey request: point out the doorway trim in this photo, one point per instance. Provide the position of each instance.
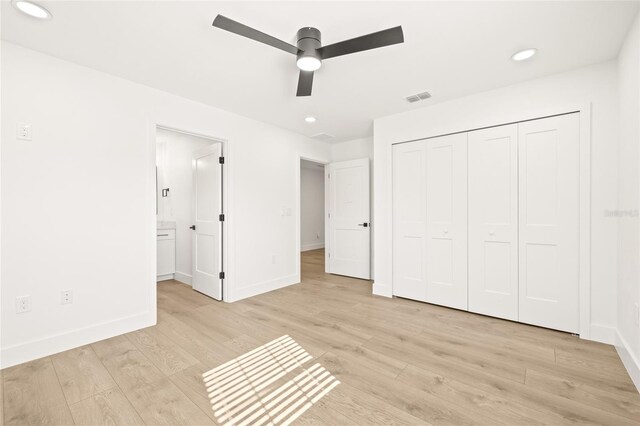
(226, 207)
(298, 211)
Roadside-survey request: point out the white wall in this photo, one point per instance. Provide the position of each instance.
(175, 155)
(595, 84)
(628, 188)
(311, 208)
(352, 150)
(78, 205)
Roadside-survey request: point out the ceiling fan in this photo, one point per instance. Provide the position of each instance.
(309, 51)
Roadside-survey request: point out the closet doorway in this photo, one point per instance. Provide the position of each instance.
(489, 221)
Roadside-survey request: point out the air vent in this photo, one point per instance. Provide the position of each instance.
(418, 97)
(322, 137)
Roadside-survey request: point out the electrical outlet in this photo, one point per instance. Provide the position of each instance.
(66, 297)
(24, 131)
(23, 304)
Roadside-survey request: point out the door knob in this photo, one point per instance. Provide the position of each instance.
(192, 227)
(363, 224)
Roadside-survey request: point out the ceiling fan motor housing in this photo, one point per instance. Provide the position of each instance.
(309, 40)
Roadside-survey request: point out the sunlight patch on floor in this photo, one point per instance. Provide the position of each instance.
(240, 391)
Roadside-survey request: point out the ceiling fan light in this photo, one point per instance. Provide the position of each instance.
(308, 63)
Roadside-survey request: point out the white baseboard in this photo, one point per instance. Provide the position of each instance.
(631, 363)
(314, 246)
(182, 277)
(603, 334)
(382, 290)
(28, 351)
(254, 290)
(165, 277)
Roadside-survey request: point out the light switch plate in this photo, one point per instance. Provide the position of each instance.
(23, 304)
(24, 131)
(66, 297)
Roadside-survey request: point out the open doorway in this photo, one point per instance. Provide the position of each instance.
(335, 226)
(312, 218)
(189, 211)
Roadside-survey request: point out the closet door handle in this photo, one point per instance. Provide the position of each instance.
(363, 224)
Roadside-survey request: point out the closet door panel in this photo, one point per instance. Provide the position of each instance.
(446, 193)
(549, 222)
(493, 226)
(409, 221)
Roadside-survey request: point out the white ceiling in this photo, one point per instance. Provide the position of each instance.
(451, 49)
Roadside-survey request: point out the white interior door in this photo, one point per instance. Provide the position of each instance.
(207, 230)
(446, 199)
(493, 221)
(349, 224)
(549, 222)
(409, 220)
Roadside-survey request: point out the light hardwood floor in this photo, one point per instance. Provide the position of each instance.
(338, 356)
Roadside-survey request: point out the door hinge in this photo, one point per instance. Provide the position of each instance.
(221, 218)
(221, 160)
(221, 275)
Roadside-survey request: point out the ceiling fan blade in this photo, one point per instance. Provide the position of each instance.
(305, 82)
(237, 28)
(370, 41)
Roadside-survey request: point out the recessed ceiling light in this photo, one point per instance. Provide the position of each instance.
(31, 9)
(524, 54)
(310, 119)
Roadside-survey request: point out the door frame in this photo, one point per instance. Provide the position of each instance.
(298, 211)
(226, 208)
(584, 109)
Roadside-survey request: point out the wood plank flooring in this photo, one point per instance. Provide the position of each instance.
(325, 352)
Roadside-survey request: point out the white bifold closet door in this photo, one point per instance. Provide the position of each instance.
(488, 221)
(409, 220)
(493, 221)
(447, 220)
(430, 215)
(549, 222)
